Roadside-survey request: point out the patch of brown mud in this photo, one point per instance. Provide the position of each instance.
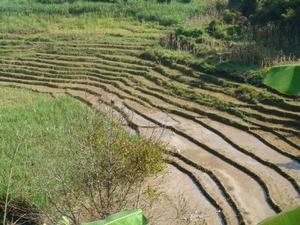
(180, 201)
(254, 145)
(244, 190)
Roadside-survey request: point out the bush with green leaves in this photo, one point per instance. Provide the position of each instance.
(215, 29)
(282, 12)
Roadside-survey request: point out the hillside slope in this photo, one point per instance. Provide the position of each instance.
(233, 148)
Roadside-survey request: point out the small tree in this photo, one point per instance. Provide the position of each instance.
(111, 166)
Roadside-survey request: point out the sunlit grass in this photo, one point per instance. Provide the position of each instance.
(45, 128)
(29, 15)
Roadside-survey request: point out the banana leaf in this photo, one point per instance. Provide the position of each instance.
(129, 217)
(285, 79)
(288, 217)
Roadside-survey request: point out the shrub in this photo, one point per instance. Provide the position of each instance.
(245, 94)
(111, 165)
(246, 7)
(194, 33)
(230, 16)
(215, 29)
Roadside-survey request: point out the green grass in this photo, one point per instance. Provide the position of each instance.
(39, 16)
(46, 128)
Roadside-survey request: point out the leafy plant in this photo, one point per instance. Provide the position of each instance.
(130, 217)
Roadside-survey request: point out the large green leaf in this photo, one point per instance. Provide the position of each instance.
(288, 217)
(285, 79)
(129, 217)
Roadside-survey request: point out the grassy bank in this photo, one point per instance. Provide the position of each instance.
(38, 15)
(37, 126)
(46, 155)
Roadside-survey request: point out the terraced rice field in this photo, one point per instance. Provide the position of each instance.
(238, 162)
